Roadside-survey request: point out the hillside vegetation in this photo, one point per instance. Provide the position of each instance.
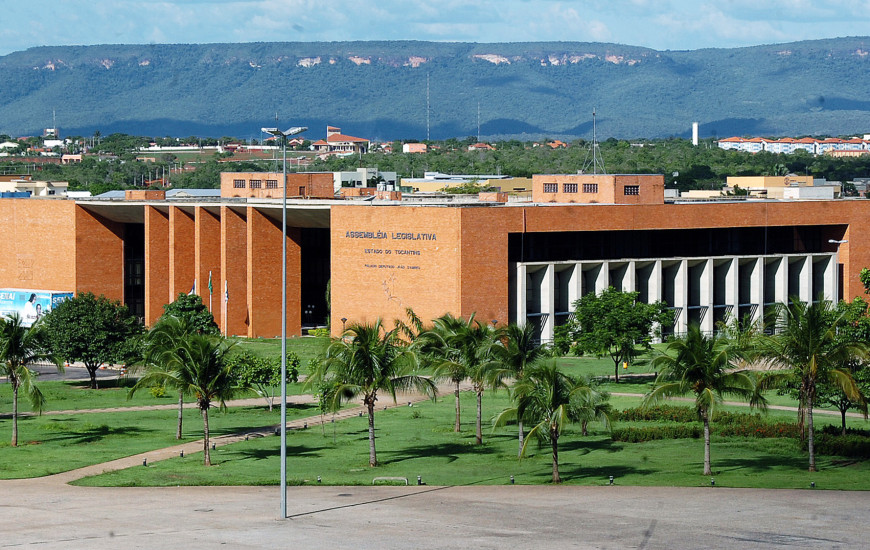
(378, 90)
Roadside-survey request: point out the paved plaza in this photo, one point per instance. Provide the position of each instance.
(47, 515)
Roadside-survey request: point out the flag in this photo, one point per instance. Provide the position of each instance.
(210, 289)
(192, 289)
(226, 292)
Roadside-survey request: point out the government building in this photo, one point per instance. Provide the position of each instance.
(361, 258)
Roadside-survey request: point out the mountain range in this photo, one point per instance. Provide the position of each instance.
(414, 90)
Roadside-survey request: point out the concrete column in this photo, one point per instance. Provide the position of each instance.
(681, 297)
(629, 282)
(548, 303)
(782, 280)
(832, 278)
(156, 263)
(522, 274)
(757, 289)
(732, 288)
(603, 279)
(208, 260)
(706, 288)
(575, 285)
(805, 291)
(181, 253)
(234, 278)
(655, 283)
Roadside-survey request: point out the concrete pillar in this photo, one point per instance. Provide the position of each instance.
(629, 282)
(781, 264)
(548, 303)
(181, 253)
(757, 289)
(522, 274)
(732, 288)
(805, 287)
(681, 298)
(156, 263)
(575, 285)
(706, 301)
(207, 238)
(832, 281)
(234, 267)
(603, 279)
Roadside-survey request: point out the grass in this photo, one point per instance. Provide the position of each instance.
(306, 347)
(76, 395)
(52, 444)
(420, 441)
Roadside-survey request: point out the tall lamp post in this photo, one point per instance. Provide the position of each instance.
(283, 135)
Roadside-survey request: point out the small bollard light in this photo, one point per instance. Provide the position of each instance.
(182, 453)
(318, 479)
(360, 414)
(611, 480)
(419, 480)
(512, 480)
(305, 426)
(277, 431)
(246, 438)
(144, 462)
(712, 482)
(812, 484)
(213, 446)
(410, 404)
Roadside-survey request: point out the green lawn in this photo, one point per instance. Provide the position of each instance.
(52, 444)
(75, 395)
(306, 347)
(420, 441)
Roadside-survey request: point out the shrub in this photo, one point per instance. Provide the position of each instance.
(659, 413)
(158, 391)
(319, 332)
(639, 435)
(851, 445)
(753, 425)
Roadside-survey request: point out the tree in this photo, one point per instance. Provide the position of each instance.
(263, 375)
(190, 308)
(704, 366)
(198, 366)
(550, 399)
(91, 329)
(807, 349)
(613, 323)
(366, 360)
(521, 350)
(460, 349)
(20, 346)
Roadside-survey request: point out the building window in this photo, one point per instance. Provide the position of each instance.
(239, 184)
(256, 184)
(301, 190)
(271, 184)
(590, 187)
(569, 187)
(551, 188)
(632, 190)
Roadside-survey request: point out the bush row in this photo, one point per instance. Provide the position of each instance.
(851, 445)
(639, 435)
(659, 413)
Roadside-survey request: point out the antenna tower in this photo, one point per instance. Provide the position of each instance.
(478, 122)
(427, 106)
(597, 161)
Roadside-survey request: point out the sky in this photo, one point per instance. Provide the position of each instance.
(658, 24)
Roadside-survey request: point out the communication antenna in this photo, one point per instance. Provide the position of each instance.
(478, 122)
(427, 106)
(597, 161)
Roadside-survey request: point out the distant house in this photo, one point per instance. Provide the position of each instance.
(481, 147)
(336, 142)
(414, 148)
(556, 144)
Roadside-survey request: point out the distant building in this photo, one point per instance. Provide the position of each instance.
(267, 185)
(481, 147)
(336, 142)
(24, 183)
(790, 145)
(414, 148)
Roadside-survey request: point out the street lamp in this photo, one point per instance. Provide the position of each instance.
(343, 321)
(283, 135)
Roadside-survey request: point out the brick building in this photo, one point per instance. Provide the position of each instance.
(503, 261)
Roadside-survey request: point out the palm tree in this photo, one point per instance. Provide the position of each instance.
(702, 365)
(158, 352)
(810, 350)
(551, 399)
(461, 349)
(198, 366)
(20, 346)
(366, 360)
(521, 350)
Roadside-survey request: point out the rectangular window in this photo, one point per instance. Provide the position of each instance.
(301, 190)
(271, 184)
(590, 187)
(551, 188)
(569, 187)
(239, 184)
(256, 184)
(632, 190)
